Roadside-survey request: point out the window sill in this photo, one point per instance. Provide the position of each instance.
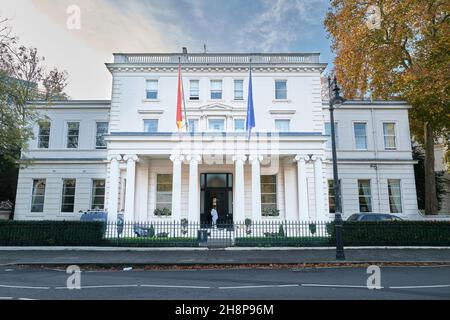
(151, 100)
(281, 101)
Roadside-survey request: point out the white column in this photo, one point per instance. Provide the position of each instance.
(194, 200)
(302, 187)
(256, 187)
(176, 186)
(131, 184)
(113, 199)
(319, 188)
(239, 189)
(141, 205)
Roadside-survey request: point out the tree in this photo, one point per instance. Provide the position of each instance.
(390, 49)
(419, 175)
(22, 74)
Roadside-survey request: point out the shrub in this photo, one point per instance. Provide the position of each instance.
(151, 232)
(281, 232)
(163, 212)
(51, 233)
(270, 212)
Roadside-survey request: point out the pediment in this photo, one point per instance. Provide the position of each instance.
(216, 107)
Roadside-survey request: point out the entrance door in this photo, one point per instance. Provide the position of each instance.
(217, 190)
(219, 199)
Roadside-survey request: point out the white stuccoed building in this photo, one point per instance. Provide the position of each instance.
(127, 154)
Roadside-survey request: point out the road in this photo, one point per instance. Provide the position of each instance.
(424, 282)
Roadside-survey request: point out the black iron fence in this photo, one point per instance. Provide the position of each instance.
(188, 234)
(273, 233)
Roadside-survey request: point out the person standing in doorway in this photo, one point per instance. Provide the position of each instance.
(214, 216)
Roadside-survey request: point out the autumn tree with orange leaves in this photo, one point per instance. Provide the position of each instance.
(398, 49)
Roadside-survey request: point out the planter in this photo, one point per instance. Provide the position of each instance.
(4, 214)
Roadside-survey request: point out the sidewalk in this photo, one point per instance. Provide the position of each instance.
(232, 256)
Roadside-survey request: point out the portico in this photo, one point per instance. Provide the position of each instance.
(199, 176)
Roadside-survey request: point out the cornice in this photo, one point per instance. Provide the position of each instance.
(134, 68)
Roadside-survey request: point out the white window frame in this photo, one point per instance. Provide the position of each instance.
(354, 135)
(33, 196)
(165, 192)
(39, 134)
(62, 195)
(190, 90)
(275, 89)
(276, 192)
(234, 124)
(282, 119)
(371, 195)
(66, 142)
(234, 89)
(211, 89)
(147, 91)
(198, 124)
(386, 148)
(150, 119)
(400, 181)
(96, 135)
(216, 118)
(91, 204)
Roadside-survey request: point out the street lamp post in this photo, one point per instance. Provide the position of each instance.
(335, 101)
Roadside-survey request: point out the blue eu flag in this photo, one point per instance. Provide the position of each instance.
(250, 111)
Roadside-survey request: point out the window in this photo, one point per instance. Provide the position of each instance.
(328, 133)
(239, 125)
(269, 192)
(280, 90)
(331, 196)
(194, 90)
(282, 125)
(395, 195)
(38, 195)
(193, 125)
(152, 89)
(44, 135)
(365, 196)
(216, 89)
(68, 195)
(73, 132)
(389, 135)
(216, 125)
(238, 89)
(360, 135)
(164, 191)
(151, 125)
(98, 195)
(102, 130)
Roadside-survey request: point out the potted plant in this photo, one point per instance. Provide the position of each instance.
(162, 212)
(270, 212)
(184, 226)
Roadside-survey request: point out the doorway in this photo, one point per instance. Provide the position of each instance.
(217, 190)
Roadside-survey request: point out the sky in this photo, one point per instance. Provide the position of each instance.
(108, 26)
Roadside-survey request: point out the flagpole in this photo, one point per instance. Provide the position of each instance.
(186, 122)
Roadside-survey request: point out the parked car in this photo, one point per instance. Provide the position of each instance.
(373, 217)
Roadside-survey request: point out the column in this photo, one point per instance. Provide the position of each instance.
(256, 187)
(176, 186)
(319, 188)
(194, 200)
(302, 187)
(239, 189)
(113, 199)
(130, 188)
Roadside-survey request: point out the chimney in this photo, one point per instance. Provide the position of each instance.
(185, 50)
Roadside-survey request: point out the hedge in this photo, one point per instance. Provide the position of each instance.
(51, 233)
(282, 241)
(153, 242)
(395, 233)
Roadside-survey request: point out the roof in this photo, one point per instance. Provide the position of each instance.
(351, 104)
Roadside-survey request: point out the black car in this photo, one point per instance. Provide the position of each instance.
(373, 217)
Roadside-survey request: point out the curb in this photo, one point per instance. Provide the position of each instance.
(171, 249)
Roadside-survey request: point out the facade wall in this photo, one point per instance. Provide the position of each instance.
(54, 174)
